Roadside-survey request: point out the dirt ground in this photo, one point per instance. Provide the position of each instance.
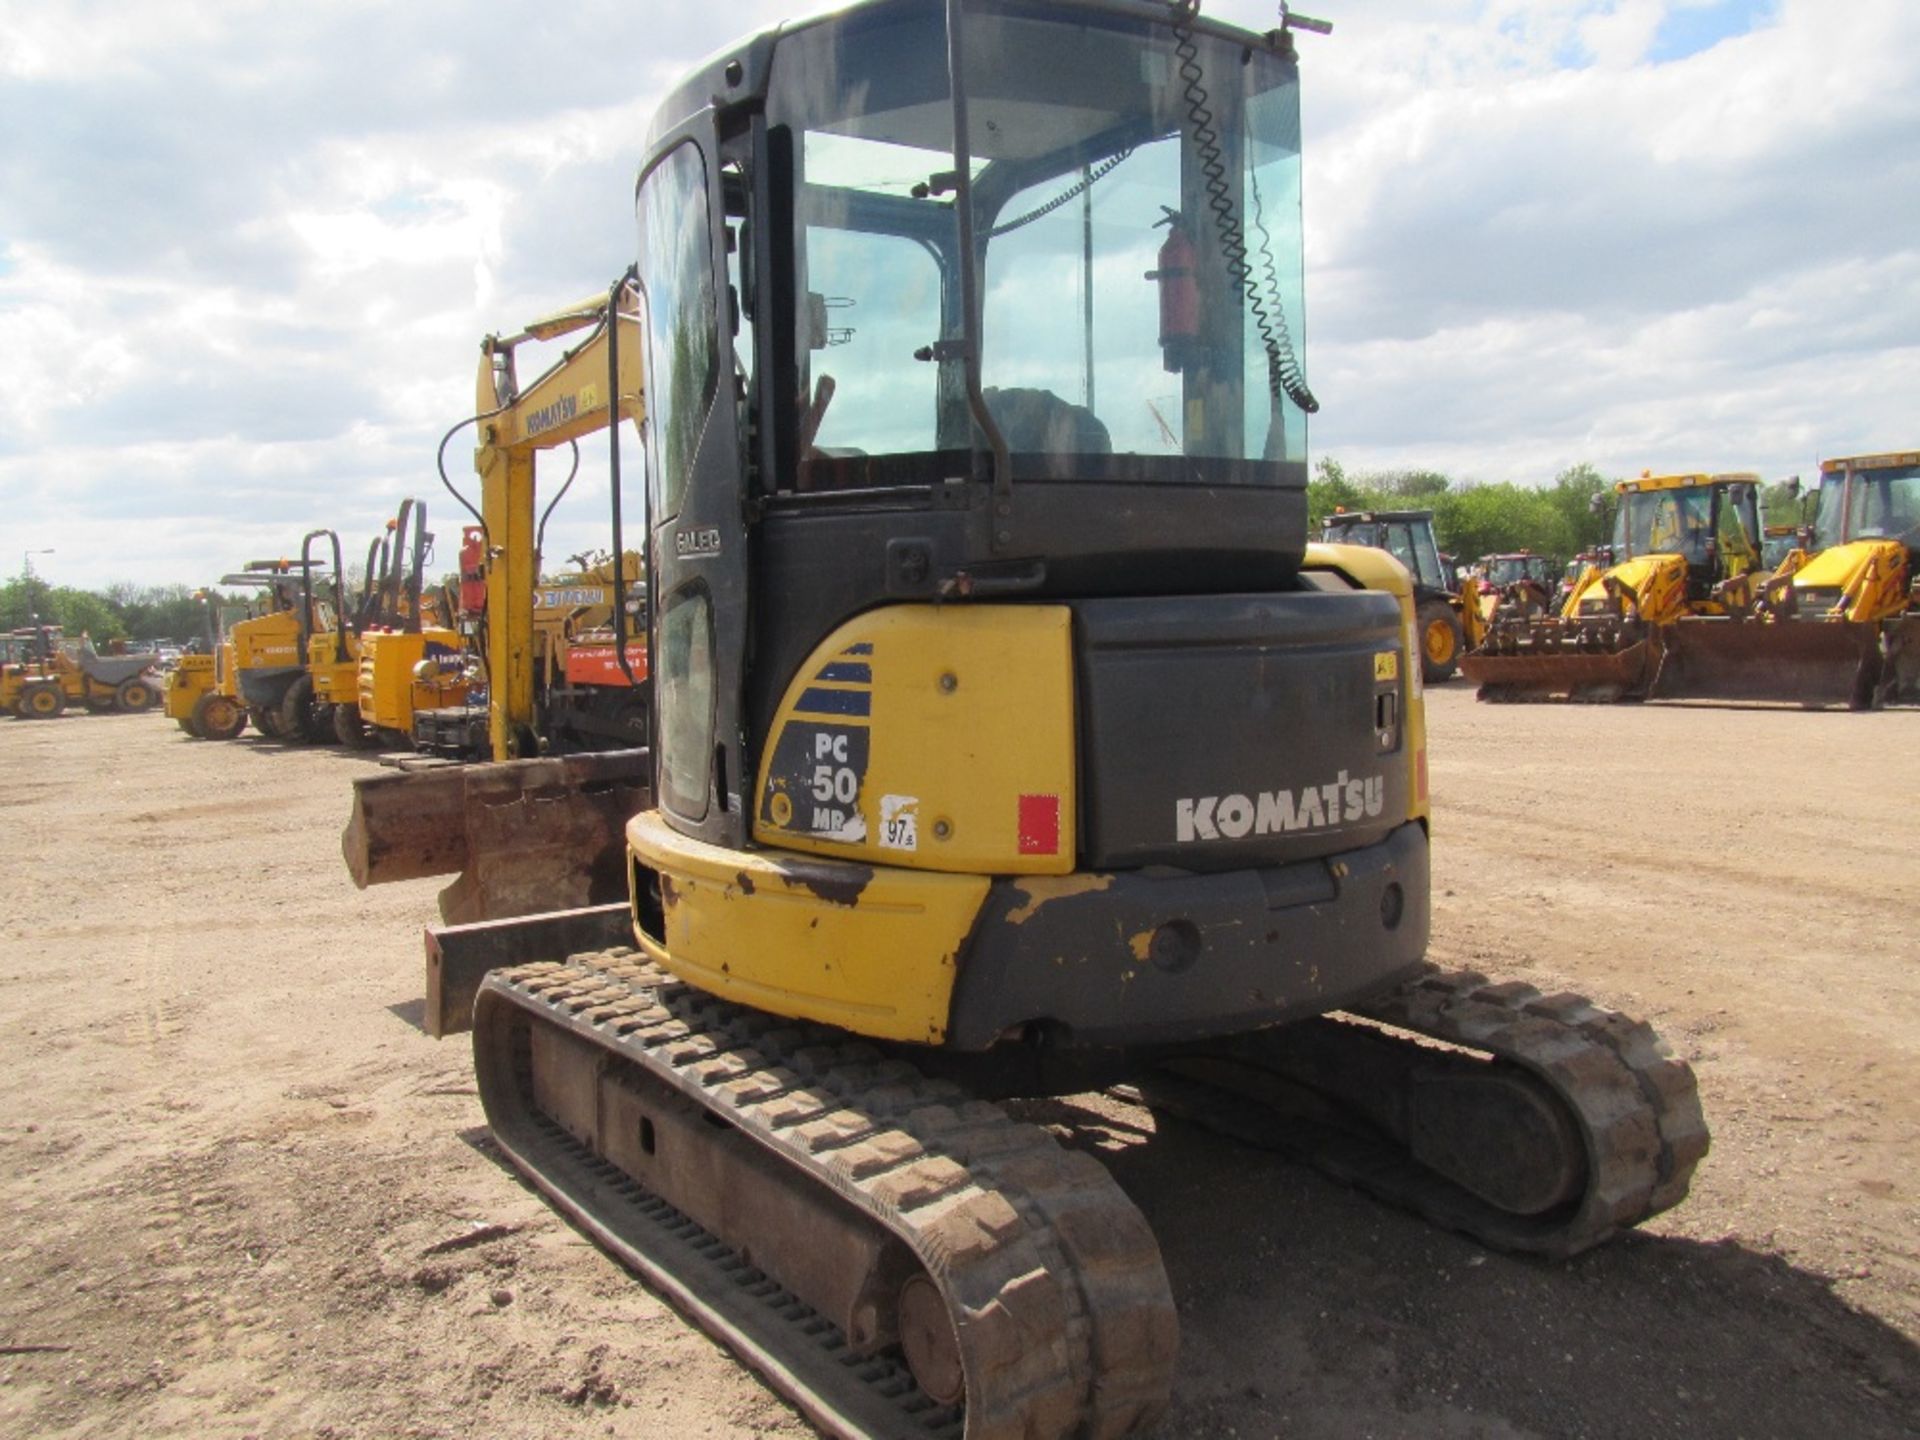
(241, 1188)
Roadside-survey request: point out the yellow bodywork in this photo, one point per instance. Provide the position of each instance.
(961, 715)
(1652, 588)
(335, 681)
(266, 642)
(870, 948)
(908, 733)
(388, 691)
(192, 677)
(1867, 578)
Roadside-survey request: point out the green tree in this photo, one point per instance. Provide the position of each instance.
(1782, 504)
(1572, 494)
(78, 611)
(1328, 491)
(1478, 520)
(1410, 489)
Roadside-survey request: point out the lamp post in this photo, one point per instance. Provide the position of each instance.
(26, 574)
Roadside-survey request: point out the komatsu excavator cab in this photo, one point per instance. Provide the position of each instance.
(978, 535)
(1010, 738)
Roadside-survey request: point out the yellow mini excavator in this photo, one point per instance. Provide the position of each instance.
(1685, 548)
(1009, 739)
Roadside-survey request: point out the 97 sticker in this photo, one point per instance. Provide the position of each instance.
(900, 822)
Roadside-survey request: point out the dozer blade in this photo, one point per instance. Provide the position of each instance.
(1552, 1126)
(1803, 662)
(896, 1259)
(1562, 673)
(524, 835)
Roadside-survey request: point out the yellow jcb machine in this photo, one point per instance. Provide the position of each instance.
(1518, 584)
(1010, 739)
(1685, 547)
(1837, 625)
(54, 672)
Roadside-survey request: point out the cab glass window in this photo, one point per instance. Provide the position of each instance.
(684, 673)
(676, 277)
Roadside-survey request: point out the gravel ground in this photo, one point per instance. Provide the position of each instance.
(243, 1189)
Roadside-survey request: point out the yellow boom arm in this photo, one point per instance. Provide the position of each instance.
(566, 403)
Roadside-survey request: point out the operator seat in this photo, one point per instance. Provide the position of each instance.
(1040, 422)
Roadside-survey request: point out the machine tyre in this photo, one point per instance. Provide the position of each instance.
(1440, 642)
(218, 717)
(135, 697)
(42, 701)
(296, 713)
(185, 722)
(350, 730)
(265, 721)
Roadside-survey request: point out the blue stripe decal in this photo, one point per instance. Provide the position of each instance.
(865, 647)
(849, 670)
(835, 702)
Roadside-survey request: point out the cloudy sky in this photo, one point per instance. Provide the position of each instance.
(247, 249)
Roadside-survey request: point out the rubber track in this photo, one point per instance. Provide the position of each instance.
(1637, 1108)
(1061, 1304)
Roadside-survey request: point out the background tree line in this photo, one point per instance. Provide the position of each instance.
(134, 613)
(1473, 519)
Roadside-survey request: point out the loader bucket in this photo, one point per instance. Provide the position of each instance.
(1802, 662)
(1591, 676)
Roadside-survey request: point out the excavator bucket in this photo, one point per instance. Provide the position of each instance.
(1805, 662)
(1533, 672)
(524, 836)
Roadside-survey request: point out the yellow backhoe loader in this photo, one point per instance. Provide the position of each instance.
(1005, 743)
(1685, 548)
(1835, 623)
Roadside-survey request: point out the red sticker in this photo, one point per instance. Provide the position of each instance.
(1039, 824)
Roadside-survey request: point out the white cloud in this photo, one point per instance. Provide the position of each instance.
(248, 249)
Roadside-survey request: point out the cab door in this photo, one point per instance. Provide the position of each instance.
(697, 541)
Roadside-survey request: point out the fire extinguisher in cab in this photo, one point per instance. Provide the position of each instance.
(1179, 293)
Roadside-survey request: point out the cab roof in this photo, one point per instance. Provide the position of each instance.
(1887, 461)
(1687, 482)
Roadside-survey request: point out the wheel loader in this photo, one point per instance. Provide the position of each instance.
(1450, 622)
(1009, 739)
(1835, 624)
(54, 673)
(1685, 551)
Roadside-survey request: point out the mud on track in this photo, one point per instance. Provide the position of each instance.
(242, 1188)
